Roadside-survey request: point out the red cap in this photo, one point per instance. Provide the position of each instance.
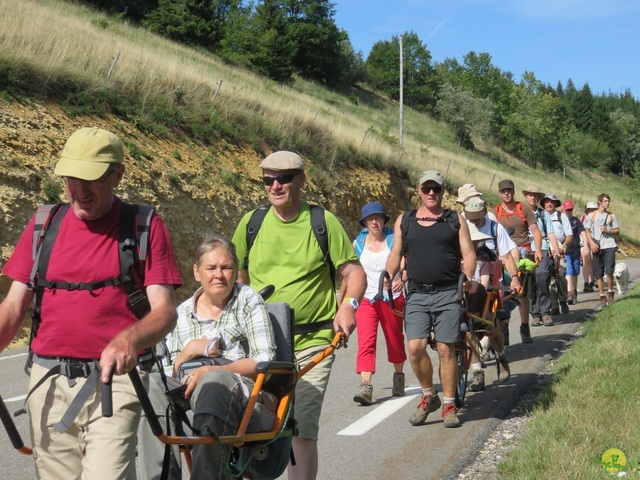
(567, 205)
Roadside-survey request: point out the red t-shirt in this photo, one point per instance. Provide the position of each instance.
(79, 323)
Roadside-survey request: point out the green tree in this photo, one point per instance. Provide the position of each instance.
(465, 113)
(626, 131)
(532, 130)
(317, 40)
(420, 81)
(199, 22)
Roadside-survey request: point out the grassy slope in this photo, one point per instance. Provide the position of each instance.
(591, 406)
(157, 83)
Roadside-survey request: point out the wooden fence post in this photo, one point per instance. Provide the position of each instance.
(113, 64)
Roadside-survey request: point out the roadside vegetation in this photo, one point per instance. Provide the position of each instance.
(591, 406)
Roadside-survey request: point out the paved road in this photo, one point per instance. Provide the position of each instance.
(375, 442)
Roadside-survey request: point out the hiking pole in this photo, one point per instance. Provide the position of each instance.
(12, 430)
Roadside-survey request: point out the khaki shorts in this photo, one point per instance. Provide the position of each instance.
(310, 392)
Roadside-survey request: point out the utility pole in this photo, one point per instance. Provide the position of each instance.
(401, 143)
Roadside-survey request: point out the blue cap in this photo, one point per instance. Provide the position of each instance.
(371, 209)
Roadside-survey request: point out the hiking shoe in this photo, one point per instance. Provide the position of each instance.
(449, 416)
(502, 365)
(364, 395)
(603, 302)
(586, 287)
(547, 320)
(525, 334)
(505, 332)
(592, 286)
(564, 307)
(398, 384)
(569, 300)
(610, 296)
(428, 404)
(555, 311)
(536, 321)
(477, 385)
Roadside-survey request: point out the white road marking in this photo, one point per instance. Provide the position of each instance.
(385, 410)
(14, 356)
(15, 399)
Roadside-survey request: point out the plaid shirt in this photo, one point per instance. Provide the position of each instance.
(244, 327)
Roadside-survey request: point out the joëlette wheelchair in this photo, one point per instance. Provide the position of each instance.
(261, 455)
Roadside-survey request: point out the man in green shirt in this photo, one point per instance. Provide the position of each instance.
(286, 254)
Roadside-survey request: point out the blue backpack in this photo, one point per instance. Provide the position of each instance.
(360, 239)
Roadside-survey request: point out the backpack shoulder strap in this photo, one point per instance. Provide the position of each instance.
(253, 227)
(451, 217)
(494, 234)
(404, 228)
(358, 243)
(133, 240)
(45, 231)
(499, 211)
(319, 226)
(521, 213)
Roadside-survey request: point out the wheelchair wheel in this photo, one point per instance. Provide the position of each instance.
(461, 386)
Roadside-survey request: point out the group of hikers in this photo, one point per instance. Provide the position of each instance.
(98, 276)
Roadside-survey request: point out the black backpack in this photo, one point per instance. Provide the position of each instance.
(449, 216)
(318, 225)
(133, 241)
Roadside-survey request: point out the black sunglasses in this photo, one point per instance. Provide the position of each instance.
(282, 179)
(426, 189)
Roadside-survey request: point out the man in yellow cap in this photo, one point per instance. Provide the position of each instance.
(85, 328)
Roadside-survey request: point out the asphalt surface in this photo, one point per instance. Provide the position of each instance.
(377, 441)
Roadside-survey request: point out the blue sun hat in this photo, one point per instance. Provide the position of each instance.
(371, 209)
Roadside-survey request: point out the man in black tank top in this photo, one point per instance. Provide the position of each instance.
(433, 241)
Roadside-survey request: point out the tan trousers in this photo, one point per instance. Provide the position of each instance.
(94, 447)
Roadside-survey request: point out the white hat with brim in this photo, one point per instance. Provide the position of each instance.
(477, 235)
(88, 154)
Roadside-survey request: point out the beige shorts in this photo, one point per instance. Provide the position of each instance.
(310, 392)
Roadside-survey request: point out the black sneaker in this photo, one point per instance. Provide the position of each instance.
(586, 288)
(525, 334)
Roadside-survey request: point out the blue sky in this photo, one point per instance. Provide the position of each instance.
(594, 41)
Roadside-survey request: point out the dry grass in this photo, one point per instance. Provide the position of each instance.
(73, 43)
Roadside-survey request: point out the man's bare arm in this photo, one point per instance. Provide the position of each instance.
(12, 312)
(121, 354)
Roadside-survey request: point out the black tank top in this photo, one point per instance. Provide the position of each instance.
(433, 253)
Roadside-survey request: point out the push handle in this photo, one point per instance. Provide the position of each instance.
(107, 397)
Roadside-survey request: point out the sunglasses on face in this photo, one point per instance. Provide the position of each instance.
(282, 179)
(426, 189)
(506, 190)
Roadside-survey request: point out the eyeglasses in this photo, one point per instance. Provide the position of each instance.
(92, 183)
(282, 179)
(426, 189)
(506, 190)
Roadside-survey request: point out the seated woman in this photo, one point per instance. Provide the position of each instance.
(488, 274)
(222, 319)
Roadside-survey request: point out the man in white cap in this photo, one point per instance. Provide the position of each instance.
(285, 252)
(86, 326)
(433, 241)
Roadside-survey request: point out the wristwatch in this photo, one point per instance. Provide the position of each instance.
(352, 301)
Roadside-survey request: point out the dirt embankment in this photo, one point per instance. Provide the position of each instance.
(197, 189)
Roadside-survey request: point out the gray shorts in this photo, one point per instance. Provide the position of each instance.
(441, 309)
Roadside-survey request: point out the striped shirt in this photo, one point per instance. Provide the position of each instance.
(244, 327)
